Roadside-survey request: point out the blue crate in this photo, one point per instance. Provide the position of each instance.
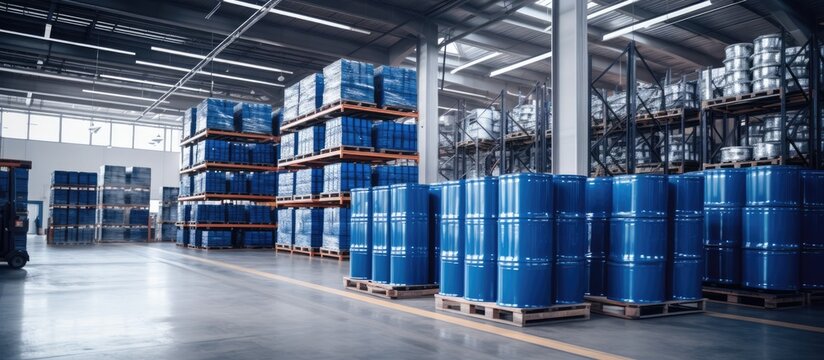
(137, 197)
(286, 226)
(309, 227)
(216, 114)
(58, 196)
(310, 140)
(113, 233)
(60, 177)
(138, 234)
(277, 119)
(86, 178)
(348, 80)
(168, 213)
(347, 131)
(59, 236)
(311, 94)
(189, 122)
(112, 196)
(184, 212)
(236, 214)
(395, 136)
(259, 214)
(59, 216)
(169, 194)
(112, 175)
(85, 235)
(336, 228)
(286, 183)
(238, 183)
(258, 238)
(239, 153)
(109, 216)
(72, 175)
(167, 232)
(253, 118)
(139, 217)
(195, 236)
(263, 183)
(211, 182)
(342, 177)
(186, 156)
(396, 87)
(384, 175)
(208, 213)
(85, 216)
(182, 236)
(288, 146)
(291, 99)
(73, 196)
(308, 181)
(72, 218)
(186, 185)
(139, 176)
(212, 151)
(262, 154)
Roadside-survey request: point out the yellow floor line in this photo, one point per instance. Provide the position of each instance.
(516, 335)
(767, 322)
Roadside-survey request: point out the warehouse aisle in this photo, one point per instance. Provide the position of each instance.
(158, 301)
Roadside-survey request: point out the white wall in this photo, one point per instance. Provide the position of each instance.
(46, 157)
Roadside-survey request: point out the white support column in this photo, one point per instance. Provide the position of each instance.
(427, 53)
(570, 87)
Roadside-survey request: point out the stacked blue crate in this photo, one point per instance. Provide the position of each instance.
(215, 238)
(286, 226)
(310, 140)
(396, 87)
(182, 237)
(185, 157)
(60, 178)
(208, 213)
(238, 183)
(277, 119)
(259, 214)
(291, 99)
(253, 118)
(236, 214)
(336, 229)
(263, 183)
(184, 213)
(384, 175)
(343, 177)
(311, 94)
(348, 80)
(215, 114)
(113, 233)
(309, 227)
(262, 154)
(258, 238)
(212, 151)
(286, 183)
(390, 135)
(138, 233)
(238, 152)
(112, 196)
(189, 122)
(210, 182)
(138, 217)
(347, 131)
(139, 176)
(111, 216)
(195, 237)
(112, 175)
(186, 185)
(308, 182)
(137, 196)
(288, 146)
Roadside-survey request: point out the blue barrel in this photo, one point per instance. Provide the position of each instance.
(722, 226)
(724, 187)
(381, 239)
(525, 240)
(638, 240)
(773, 186)
(597, 276)
(636, 282)
(771, 228)
(453, 212)
(434, 233)
(360, 222)
(812, 185)
(685, 279)
(686, 240)
(639, 196)
(686, 195)
(480, 262)
(776, 270)
(812, 220)
(570, 260)
(409, 234)
(722, 265)
(598, 194)
(597, 237)
(570, 195)
(812, 269)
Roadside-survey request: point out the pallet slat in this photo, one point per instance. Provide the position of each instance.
(512, 316)
(390, 291)
(624, 310)
(762, 300)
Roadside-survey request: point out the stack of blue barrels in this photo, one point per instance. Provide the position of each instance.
(360, 248)
(723, 203)
(812, 242)
(686, 227)
(598, 207)
(409, 234)
(525, 243)
(569, 278)
(638, 239)
(770, 258)
(481, 251)
(452, 230)
(434, 233)
(380, 234)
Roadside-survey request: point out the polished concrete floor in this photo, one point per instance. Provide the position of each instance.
(158, 301)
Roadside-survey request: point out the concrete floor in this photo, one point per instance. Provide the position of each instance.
(158, 301)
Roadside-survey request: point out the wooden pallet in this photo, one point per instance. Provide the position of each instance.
(397, 152)
(512, 316)
(390, 291)
(751, 298)
(283, 198)
(283, 247)
(258, 247)
(341, 255)
(399, 109)
(743, 164)
(201, 247)
(344, 194)
(306, 250)
(625, 310)
(347, 148)
(305, 197)
(813, 297)
(736, 98)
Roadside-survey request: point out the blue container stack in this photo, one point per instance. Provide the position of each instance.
(288, 146)
(434, 233)
(212, 151)
(310, 140)
(263, 183)
(291, 100)
(238, 152)
(311, 94)
(724, 196)
(685, 265)
(258, 238)
(396, 87)
(481, 251)
(348, 80)
(385, 175)
(214, 238)
(525, 240)
(72, 210)
(309, 227)
(452, 236)
(308, 182)
(348, 131)
(636, 269)
(210, 182)
(336, 236)
(253, 118)
(189, 122)
(360, 248)
(409, 234)
(168, 213)
(216, 114)
(183, 237)
(262, 154)
(345, 176)
(277, 120)
(259, 214)
(381, 240)
(598, 209)
(187, 185)
(208, 213)
(123, 203)
(286, 183)
(812, 242)
(286, 226)
(390, 135)
(236, 214)
(569, 275)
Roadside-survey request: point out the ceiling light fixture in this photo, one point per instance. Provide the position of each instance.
(475, 62)
(103, 48)
(118, 95)
(610, 9)
(520, 64)
(232, 62)
(147, 82)
(300, 16)
(177, 68)
(548, 4)
(656, 20)
(464, 93)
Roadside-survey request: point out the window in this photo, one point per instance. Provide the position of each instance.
(100, 132)
(15, 125)
(44, 127)
(122, 135)
(75, 131)
(175, 140)
(148, 138)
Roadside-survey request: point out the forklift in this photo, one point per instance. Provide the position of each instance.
(14, 222)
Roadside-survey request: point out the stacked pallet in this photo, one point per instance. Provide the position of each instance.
(72, 208)
(166, 229)
(123, 204)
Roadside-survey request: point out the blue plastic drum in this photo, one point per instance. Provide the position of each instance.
(640, 282)
(773, 186)
(639, 195)
(360, 247)
(597, 244)
(770, 270)
(686, 237)
(570, 195)
(812, 269)
(380, 234)
(570, 238)
(684, 277)
(524, 262)
(638, 240)
(686, 195)
(812, 222)
(525, 195)
(722, 226)
(409, 233)
(598, 195)
(597, 276)
(481, 258)
(771, 228)
(452, 230)
(434, 233)
(722, 265)
(570, 281)
(724, 187)
(812, 184)
(482, 198)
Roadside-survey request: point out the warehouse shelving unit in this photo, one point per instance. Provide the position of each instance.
(50, 240)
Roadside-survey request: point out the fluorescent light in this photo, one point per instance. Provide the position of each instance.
(300, 16)
(548, 4)
(118, 95)
(66, 42)
(656, 20)
(147, 82)
(464, 93)
(610, 9)
(521, 64)
(475, 62)
(177, 68)
(232, 62)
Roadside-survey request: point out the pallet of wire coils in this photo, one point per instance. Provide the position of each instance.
(393, 136)
(384, 175)
(291, 99)
(345, 176)
(311, 94)
(253, 118)
(286, 184)
(336, 230)
(216, 114)
(308, 183)
(286, 228)
(396, 88)
(311, 139)
(288, 146)
(349, 81)
(347, 131)
(263, 183)
(308, 230)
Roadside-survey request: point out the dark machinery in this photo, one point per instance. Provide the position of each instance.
(14, 222)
